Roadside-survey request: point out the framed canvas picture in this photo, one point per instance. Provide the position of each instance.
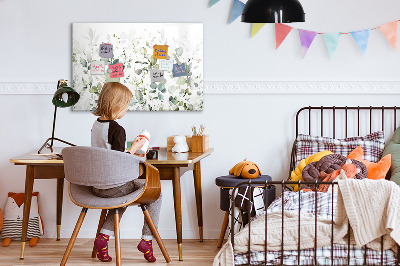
(161, 63)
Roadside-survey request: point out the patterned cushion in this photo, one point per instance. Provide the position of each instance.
(372, 144)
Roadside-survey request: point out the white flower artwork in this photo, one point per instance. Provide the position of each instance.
(131, 53)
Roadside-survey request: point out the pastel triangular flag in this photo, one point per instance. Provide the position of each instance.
(389, 30)
(213, 2)
(306, 39)
(281, 31)
(361, 37)
(332, 41)
(237, 9)
(256, 28)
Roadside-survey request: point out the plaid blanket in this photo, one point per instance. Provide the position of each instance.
(306, 201)
(340, 253)
(323, 205)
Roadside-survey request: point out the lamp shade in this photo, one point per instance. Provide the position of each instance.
(65, 96)
(273, 11)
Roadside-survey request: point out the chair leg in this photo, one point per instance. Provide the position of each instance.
(117, 239)
(154, 230)
(101, 222)
(223, 229)
(73, 237)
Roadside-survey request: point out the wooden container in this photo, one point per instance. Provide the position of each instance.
(200, 143)
(171, 143)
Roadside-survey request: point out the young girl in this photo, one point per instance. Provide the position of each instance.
(113, 103)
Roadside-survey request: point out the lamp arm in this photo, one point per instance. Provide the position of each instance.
(51, 140)
(54, 126)
(46, 144)
(54, 119)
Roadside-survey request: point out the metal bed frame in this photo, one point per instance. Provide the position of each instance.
(283, 184)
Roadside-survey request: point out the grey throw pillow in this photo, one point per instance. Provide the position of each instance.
(393, 148)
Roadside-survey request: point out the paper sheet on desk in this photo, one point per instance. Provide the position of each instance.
(49, 155)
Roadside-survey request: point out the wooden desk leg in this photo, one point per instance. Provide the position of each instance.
(60, 191)
(176, 183)
(199, 204)
(27, 206)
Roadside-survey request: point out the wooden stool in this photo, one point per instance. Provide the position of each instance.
(226, 183)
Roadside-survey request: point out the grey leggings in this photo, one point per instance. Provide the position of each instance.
(154, 208)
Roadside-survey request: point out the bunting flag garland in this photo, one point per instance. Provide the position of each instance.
(237, 9)
(213, 2)
(281, 31)
(306, 39)
(389, 30)
(332, 41)
(361, 37)
(256, 28)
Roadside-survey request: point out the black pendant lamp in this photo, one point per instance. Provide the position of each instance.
(273, 11)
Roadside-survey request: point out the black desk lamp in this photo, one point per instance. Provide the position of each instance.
(64, 97)
(273, 11)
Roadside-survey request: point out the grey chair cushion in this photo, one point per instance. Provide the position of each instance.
(83, 196)
(99, 167)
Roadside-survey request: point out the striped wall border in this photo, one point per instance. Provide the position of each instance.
(250, 87)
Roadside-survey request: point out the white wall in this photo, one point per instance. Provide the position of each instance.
(35, 40)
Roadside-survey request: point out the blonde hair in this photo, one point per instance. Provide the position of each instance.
(114, 96)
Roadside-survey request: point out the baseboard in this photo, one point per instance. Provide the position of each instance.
(246, 87)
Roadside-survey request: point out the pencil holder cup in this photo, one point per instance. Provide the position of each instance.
(200, 143)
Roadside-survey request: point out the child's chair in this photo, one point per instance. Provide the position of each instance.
(85, 167)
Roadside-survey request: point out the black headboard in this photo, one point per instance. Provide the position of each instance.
(344, 121)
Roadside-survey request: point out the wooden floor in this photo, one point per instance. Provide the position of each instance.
(50, 252)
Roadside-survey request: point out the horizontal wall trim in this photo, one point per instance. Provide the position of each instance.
(303, 87)
(250, 87)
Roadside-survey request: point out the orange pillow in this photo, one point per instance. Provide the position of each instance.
(375, 170)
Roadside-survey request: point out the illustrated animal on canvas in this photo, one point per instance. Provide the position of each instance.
(180, 144)
(13, 215)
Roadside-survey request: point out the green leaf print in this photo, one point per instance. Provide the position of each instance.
(181, 81)
(83, 62)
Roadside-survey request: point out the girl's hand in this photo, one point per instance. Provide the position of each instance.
(142, 155)
(137, 144)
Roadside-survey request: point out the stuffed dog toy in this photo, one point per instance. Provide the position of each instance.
(245, 169)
